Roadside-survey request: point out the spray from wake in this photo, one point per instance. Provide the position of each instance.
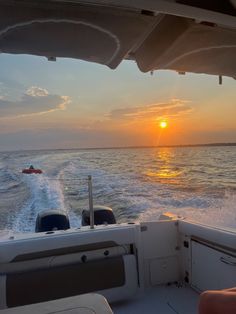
(46, 193)
(220, 213)
(138, 184)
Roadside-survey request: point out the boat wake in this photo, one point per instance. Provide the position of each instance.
(190, 185)
(219, 213)
(46, 193)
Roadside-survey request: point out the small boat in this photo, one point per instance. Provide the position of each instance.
(31, 171)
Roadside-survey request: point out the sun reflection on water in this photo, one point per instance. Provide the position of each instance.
(164, 169)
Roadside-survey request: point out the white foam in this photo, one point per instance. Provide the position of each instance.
(5, 234)
(46, 193)
(120, 181)
(221, 213)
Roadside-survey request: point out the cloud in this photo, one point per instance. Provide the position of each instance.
(173, 108)
(36, 91)
(35, 101)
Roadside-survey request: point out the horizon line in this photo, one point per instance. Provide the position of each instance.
(126, 147)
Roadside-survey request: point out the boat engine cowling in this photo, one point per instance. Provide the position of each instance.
(102, 215)
(51, 220)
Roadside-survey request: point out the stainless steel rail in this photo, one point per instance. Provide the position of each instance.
(91, 211)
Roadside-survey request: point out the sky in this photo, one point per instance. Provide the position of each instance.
(76, 104)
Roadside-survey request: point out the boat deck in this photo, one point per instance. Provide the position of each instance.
(158, 300)
(161, 300)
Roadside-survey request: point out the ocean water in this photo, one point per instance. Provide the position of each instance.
(198, 183)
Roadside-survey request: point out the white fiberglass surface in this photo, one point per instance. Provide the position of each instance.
(161, 300)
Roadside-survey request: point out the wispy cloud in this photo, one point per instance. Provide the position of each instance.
(35, 101)
(174, 108)
(35, 91)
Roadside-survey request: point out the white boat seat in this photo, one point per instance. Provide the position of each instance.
(27, 287)
(49, 267)
(91, 303)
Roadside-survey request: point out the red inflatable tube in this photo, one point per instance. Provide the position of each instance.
(30, 171)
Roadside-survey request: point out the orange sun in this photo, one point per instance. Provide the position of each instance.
(163, 124)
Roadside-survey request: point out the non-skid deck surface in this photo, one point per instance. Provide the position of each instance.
(161, 300)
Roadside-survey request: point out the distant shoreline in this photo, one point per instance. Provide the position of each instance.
(197, 145)
(124, 147)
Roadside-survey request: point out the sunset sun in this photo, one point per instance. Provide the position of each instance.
(163, 124)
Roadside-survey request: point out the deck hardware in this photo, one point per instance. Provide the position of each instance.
(143, 228)
(54, 59)
(186, 278)
(83, 258)
(178, 284)
(106, 253)
(186, 244)
(91, 211)
(227, 261)
(132, 249)
(220, 80)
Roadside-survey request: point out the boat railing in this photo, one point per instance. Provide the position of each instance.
(91, 211)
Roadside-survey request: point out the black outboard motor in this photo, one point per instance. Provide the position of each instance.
(50, 220)
(102, 215)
